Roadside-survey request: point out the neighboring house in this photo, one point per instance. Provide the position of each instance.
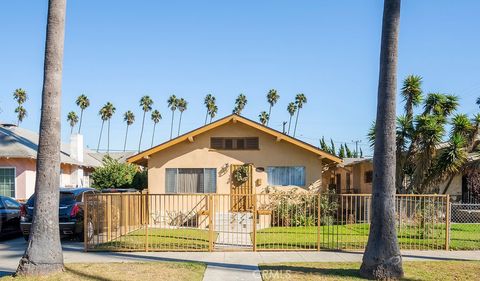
(205, 160)
(18, 154)
(355, 175)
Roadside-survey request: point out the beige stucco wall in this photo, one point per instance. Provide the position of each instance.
(199, 155)
(357, 177)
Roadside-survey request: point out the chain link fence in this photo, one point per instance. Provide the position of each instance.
(465, 226)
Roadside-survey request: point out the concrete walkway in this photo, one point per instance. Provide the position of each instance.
(224, 266)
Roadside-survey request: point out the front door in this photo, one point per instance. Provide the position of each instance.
(240, 192)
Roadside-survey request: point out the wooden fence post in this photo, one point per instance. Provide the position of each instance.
(210, 223)
(85, 223)
(109, 216)
(447, 224)
(319, 226)
(254, 227)
(145, 206)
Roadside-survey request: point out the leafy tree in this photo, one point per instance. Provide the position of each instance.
(129, 118)
(300, 100)
(156, 117)
(83, 102)
(72, 120)
(182, 106)
(382, 259)
(263, 116)
(172, 104)
(291, 108)
(113, 174)
(20, 96)
(349, 153)
(341, 151)
(240, 104)
(43, 254)
(106, 113)
(213, 112)
(333, 150)
(209, 102)
(21, 114)
(272, 98)
(323, 145)
(146, 104)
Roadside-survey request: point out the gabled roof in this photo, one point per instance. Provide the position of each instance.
(141, 157)
(16, 142)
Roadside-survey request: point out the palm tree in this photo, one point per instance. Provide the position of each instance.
(382, 258)
(21, 114)
(182, 106)
(106, 113)
(300, 100)
(83, 102)
(263, 116)
(44, 252)
(72, 119)
(291, 108)
(146, 104)
(156, 117)
(20, 95)
(172, 104)
(129, 118)
(213, 112)
(478, 101)
(240, 104)
(209, 102)
(272, 98)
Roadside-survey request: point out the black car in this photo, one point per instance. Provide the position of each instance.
(70, 213)
(9, 216)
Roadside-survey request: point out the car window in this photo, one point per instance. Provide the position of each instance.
(66, 198)
(1, 204)
(11, 204)
(78, 198)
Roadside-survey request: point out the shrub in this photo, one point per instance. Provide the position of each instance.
(114, 174)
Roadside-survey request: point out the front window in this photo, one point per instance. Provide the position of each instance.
(368, 177)
(7, 182)
(190, 180)
(286, 176)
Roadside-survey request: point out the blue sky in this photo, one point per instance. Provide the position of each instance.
(121, 50)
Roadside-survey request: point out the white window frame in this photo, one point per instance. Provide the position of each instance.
(15, 179)
(176, 181)
(290, 166)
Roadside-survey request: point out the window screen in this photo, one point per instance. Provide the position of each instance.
(250, 143)
(190, 180)
(7, 182)
(286, 176)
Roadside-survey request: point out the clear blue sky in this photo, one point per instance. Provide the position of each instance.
(120, 50)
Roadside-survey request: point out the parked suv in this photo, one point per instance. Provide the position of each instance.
(9, 216)
(70, 213)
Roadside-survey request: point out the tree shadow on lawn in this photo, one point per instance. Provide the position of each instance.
(315, 271)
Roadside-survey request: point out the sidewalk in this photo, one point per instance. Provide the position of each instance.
(224, 266)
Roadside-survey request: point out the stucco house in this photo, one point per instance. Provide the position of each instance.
(18, 153)
(205, 160)
(354, 175)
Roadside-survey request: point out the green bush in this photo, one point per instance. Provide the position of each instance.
(114, 174)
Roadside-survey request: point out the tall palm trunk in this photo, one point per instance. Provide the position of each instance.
(269, 114)
(289, 123)
(44, 251)
(171, 127)
(80, 123)
(108, 136)
(153, 135)
(206, 117)
(296, 122)
(100, 137)
(382, 258)
(179, 123)
(125, 142)
(141, 132)
(71, 130)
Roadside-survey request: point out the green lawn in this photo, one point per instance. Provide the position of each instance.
(160, 239)
(175, 271)
(355, 236)
(442, 270)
